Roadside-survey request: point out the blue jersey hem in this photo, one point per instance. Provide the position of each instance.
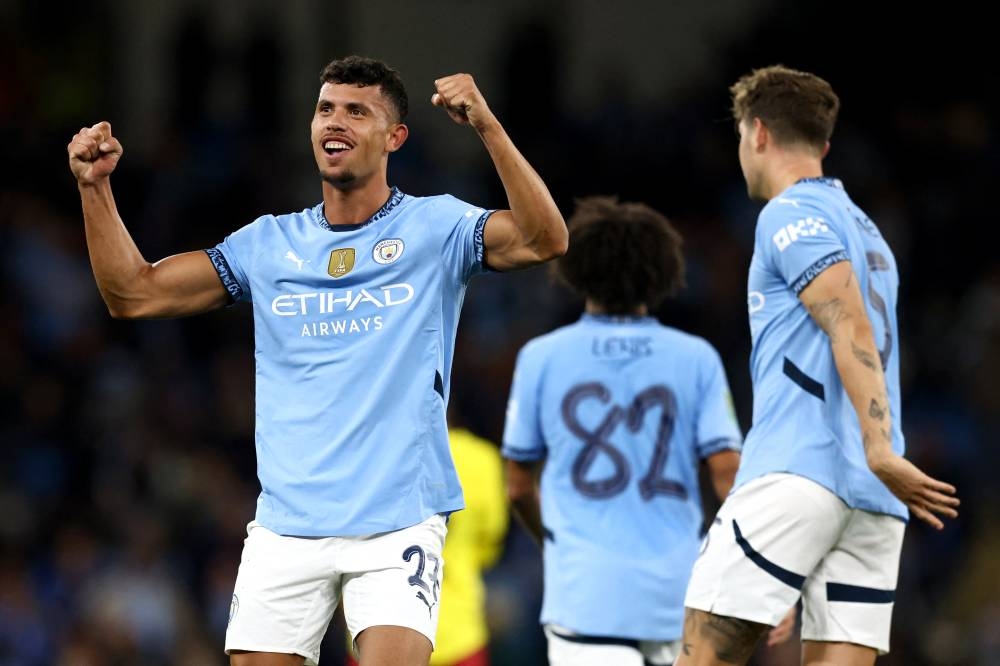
(365, 529)
(870, 507)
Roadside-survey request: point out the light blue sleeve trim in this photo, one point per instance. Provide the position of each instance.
(521, 455)
(714, 446)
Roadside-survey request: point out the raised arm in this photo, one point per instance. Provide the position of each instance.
(533, 230)
(131, 287)
(834, 300)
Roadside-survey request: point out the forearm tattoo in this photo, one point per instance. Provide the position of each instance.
(866, 438)
(876, 411)
(867, 358)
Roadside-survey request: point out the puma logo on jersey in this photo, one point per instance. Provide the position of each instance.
(292, 257)
(790, 233)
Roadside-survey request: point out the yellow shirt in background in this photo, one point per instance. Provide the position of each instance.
(474, 543)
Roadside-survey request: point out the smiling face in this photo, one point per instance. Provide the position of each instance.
(354, 128)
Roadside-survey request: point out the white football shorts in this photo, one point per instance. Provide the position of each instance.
(288, 588)
(781, 537)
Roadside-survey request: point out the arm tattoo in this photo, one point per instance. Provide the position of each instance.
(866, 441)
(875, 411)
(866, 438)
(865, 357)
(827, 314)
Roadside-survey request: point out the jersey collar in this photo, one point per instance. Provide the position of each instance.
(822, 180)
(394, 198)
(616, 319)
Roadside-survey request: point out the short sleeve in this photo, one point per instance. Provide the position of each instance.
(799, 240)
(463, 247)
(522, 436)
(717, 428)
(231, 257)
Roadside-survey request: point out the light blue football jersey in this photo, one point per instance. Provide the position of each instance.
(803, 421)
(622, 410)
(354, 327)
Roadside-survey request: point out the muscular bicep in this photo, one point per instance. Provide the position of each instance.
(505, 245)
(179, 285)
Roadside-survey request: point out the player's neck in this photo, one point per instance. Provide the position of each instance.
(791, 170)
(594, 308)
(354, 205)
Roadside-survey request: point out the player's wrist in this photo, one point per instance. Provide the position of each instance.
(488, 125)
(92, 184)
(880, 461)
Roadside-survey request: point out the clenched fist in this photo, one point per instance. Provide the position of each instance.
(93, 153)
(462, 100)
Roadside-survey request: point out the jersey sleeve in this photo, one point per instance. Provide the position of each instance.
(522, 436)
(232, 257)
(717, 428)
(463, 246)
(799, 240)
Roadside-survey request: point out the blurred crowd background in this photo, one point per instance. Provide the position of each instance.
(127, 470)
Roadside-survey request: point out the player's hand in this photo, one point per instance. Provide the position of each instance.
(93, 153)
(923, 495)
(460, 97)
(784, 629)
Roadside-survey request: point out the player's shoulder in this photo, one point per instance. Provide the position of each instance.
(270, 222)
(442, 207)
(808, 197)
(805, 208)
(792, 204)
(548, 343)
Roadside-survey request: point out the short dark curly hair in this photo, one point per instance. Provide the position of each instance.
(621, 255)
(362, 71)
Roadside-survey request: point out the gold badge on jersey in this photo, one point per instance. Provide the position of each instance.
(341, 262)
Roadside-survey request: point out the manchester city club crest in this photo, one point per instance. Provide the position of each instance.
(341, 262)
(388, 251)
